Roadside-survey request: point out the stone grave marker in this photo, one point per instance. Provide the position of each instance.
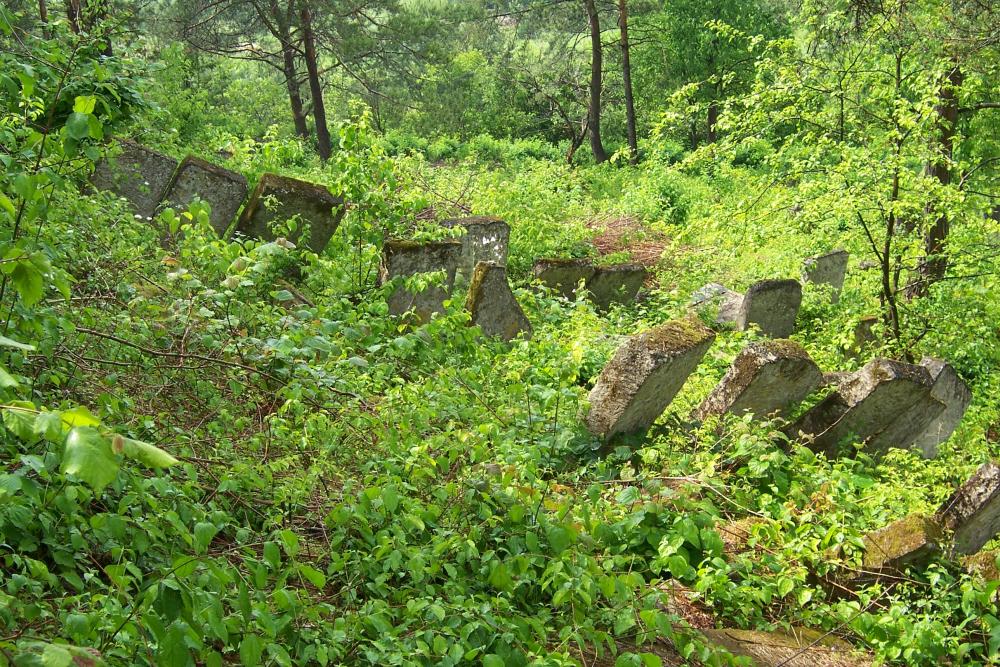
(911, 541)
(829, 269)
(972, 513)
(726, 302)
(139, 174)
(765, 378)
(222, 189)
(798, 647)
(563, 275)
(494, 308)
(485, 240)
(643, 377)
(951, 390)
(615, 284)
(772, 305)
(278, 198)
(408, 258)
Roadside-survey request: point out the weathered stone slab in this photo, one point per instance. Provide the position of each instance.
(766, 378)
(563, 275)
(885, 404)
(139, 174)
(494, 308)
(736, 535)
(615, 284)
(222, 189)
(911, 541)
(799, 647)
(725, 302)
(864, 335)
(829, 269)
(951, 390)
(643, 377)
(278, 198)
(401, 259)
(485, 240)
(772, 305)
(983, 565)
(972, 513)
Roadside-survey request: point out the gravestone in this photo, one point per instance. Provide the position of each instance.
(772, 305)
(797, 647)
(278, 198)
(222, 189)
(864, 335)
(401, 259)
(139, 174)
(886, 403)
(725, 301)
(615, 284)
(643, 377)
(972, 513)
(911, 541)
(829, 269)
(953, 392)
(563, 275)
(766, 378)
(983, 565)
(494, 308)
(485, 240)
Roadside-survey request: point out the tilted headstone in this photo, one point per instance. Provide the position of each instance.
(494, 308)
(222, 189)
(909, 542)
(983, 565)
(829, 269)
(643, 377)
(766, 378)
(972, 513)
(951, 390)
(799, 647)
(885, 404)
(725, 301)
(278, 198)
(615, 284)
(139, 174)
(772, 305)
(563, 275)
(409, 258)
(485, 240)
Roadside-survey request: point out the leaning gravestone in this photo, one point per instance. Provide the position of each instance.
(773, 306)
(401, 259)
(485, 240)
(278, 198)
(643, 377)
(829, 269)
(494, 308)
(887, 403)
(615, 284)
(139, 174)
(563, 275)
(726, 302)
(911, 541)
(953, 392)
(972, 513)
(766, 378)
(224, 190)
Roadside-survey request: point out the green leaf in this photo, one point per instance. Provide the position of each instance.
(560, 538)
(7, 381)
(390, 498)
(54, 655)
(84, 104)
(204, 532)
(651, 660)
(88, 456)
(79, 416)
(272, 555)
(492, 660)
(145, 453)
(312, 575)
(10, 342)
(251, 648)
(78, 125)
(29, 282)
(19, 418)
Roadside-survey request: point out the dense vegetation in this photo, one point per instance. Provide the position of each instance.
(226, 452)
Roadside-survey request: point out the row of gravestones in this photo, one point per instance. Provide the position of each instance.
(151, 181)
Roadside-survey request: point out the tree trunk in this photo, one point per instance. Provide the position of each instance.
(713, 118)
(43, 16)
(315, 86)
(633, 144)
(935, 263)
(288, 67)
(596, 69)
(73, 14)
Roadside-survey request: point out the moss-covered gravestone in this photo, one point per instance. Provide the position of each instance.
(766, 378)
(951, 390)
(403, 259)
(829, 269)
(485, 240)
(643, 377)
(563, 275)
(722, 303)
(771, 305)
(910, 542)
(493, 306)
(885, 404)
(618, 283)
(139, 174)
(972, 513)
(278, 198)
(222, 189)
